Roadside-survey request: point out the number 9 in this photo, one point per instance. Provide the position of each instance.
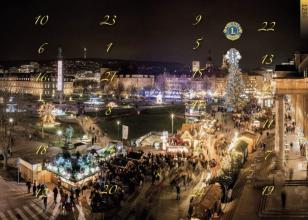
(198, 19)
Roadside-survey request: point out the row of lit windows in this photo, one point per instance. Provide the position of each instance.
(34, 79)
(48, 86)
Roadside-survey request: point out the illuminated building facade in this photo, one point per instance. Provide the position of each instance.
(136, 81)
(44, 86)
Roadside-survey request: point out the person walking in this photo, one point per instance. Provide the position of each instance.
(45, 202)
(190, 208)
(83, 188)
(28, 185)
(55, 194)
(178, 191)
(34, 188)
(283, 196)
(291, 171)
(62, 201)
(307, 171)
(77, 193)
(72, 202)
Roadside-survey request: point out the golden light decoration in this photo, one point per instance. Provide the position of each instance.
(45, 112)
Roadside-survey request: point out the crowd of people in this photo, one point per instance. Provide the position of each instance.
(40, 191)
(125, 174)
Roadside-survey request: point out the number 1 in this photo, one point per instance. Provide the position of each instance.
(109, 46)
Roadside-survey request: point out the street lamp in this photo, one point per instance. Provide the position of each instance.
(11, 120)
(96, 110)
(118, 124)
(172, 117)
(59, 133)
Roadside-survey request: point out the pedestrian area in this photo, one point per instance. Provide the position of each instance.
(16, 203)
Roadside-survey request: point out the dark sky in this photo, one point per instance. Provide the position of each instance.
(157, 30)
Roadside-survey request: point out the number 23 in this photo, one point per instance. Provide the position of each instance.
(107, 22)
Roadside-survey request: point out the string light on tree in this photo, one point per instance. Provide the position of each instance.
(234, 99)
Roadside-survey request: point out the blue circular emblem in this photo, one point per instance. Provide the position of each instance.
(233, 31)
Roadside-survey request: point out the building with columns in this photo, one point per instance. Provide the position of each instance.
(291, 97)
(40, 85)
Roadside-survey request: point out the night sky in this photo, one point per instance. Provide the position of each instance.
(149, 30)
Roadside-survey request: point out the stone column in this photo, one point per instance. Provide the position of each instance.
(305, 113)
(279, 129)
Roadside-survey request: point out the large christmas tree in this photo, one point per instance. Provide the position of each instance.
(235, 96)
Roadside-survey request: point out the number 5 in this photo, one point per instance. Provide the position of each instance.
(198, 43)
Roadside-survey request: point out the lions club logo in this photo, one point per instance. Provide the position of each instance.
(233, 31)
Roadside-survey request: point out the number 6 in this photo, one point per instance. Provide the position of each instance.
(42, 49)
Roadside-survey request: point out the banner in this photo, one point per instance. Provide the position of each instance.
(124, 132)
(304, 18)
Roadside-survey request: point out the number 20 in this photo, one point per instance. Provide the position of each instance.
(268, 26)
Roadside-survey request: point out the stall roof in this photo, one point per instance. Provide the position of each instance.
(212, 194)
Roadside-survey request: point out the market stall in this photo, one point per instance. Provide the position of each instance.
(208, 202)
(177, 149)
(78, 169)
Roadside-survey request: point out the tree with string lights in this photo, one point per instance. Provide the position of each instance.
(235, 97)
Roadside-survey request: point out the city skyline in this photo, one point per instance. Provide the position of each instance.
(152, 31)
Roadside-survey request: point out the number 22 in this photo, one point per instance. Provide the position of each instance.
(268, 26)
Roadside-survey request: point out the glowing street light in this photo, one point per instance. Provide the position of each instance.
(59, 133)
(172, 117)
(11, 120)
(118, 124)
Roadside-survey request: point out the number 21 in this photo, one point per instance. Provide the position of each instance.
(107, 77)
